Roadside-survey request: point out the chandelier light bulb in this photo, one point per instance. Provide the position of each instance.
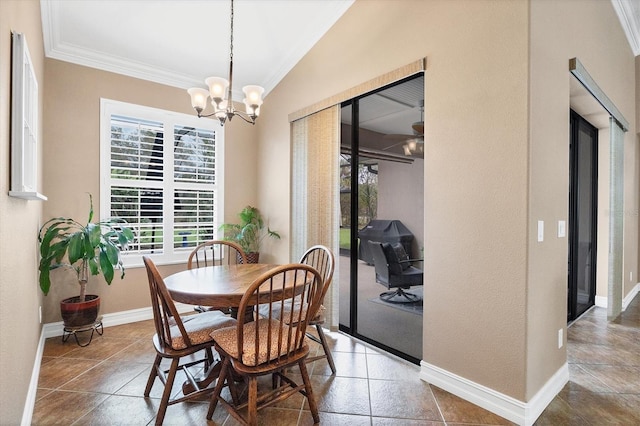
(253, 94)
(198, 98)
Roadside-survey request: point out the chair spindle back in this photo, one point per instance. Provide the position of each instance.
(275, 336)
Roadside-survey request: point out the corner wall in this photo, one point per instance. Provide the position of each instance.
(476, 170)
(72, 166)
(19, 222)
(560, 30)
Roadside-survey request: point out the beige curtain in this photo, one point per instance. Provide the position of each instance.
(616, 219)
(315, 192)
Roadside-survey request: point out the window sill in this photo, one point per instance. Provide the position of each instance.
(28, 195)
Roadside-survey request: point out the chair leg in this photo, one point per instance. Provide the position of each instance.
(252, 407)
(152, 375)
(388, 296)
(210, 359)
(325, 347)
(309, 391)
(218, 389)
(166, 394)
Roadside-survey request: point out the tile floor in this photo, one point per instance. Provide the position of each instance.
(102, 384)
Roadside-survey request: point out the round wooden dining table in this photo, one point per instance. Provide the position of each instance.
(215, 285)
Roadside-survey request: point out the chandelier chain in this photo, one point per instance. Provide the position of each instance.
(231, 44)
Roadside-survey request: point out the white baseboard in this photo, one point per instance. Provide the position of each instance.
(522, 413)
(56, 329)
(602, 301)
(629, 298)
(30, 402)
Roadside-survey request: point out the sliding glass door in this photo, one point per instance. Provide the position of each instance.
(583, 205)
(381, 200)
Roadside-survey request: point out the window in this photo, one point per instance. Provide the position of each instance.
(160, 172)
(24, 123)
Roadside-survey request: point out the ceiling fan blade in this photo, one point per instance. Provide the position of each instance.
(394, 145)
(399, 137)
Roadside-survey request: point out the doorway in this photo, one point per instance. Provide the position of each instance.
(381, 180)
(583, 210)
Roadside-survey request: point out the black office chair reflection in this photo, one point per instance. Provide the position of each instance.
(394, 270)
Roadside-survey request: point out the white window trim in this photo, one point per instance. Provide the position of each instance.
(24, 123)
(110, 107)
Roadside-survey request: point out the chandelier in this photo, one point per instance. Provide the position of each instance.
(220, 90)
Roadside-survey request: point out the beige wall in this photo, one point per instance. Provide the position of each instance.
(72, 123)
(19, 221)
(475, 163)
(400, 196)
(559, 31)
(496, 126)
(496, 162)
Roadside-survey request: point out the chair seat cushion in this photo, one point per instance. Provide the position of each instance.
(227, 340)
(199, 328)
(276, 310)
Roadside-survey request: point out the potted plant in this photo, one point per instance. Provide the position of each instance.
(249, 233)
(85, 248)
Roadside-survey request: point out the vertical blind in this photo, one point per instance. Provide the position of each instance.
(616, 220)
(315, 197)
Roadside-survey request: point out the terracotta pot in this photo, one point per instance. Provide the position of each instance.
(78, 314)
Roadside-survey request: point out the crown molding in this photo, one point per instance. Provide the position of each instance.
(630, 23)
(55, 48)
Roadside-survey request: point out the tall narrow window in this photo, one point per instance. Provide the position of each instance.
(24, 123)
(160, 173)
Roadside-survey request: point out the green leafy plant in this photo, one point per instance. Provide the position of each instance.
(250, 232)
(94, 247)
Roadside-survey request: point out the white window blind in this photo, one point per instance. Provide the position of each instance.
(160, 173)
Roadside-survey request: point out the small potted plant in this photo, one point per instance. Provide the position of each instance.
(85, 248)
(249, 233)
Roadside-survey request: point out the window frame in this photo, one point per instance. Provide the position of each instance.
(170, 120)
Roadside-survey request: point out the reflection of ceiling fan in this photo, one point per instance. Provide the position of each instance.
(412, 144)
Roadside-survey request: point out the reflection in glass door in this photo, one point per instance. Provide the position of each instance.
(382, 188)
(583, 205)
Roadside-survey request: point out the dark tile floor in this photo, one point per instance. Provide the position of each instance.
(102, 384)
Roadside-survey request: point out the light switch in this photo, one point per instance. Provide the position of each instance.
(540, 231)
(562, 229)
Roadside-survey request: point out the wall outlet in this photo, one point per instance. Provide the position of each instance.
(630, 276)
(560, 339)
(40, 314)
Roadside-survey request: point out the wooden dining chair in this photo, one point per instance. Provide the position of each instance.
(178, 339)
(270, 344)
(323, 260)
(216, 253)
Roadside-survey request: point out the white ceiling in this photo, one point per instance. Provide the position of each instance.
(180, 43)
